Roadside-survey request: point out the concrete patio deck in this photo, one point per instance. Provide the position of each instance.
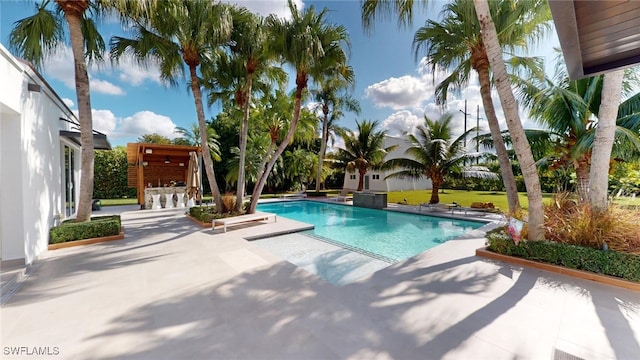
(171, 290)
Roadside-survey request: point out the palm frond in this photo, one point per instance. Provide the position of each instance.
(36, 37)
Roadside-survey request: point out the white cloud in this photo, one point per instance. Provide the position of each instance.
(133, 73)
(314, 107)
(68, 102)
(104, 121)
(401, 122)
(412, 97)
(338, 144)
(60, 67)
(399, 93)
(105, 87)
(134, 126)
(147, 122)
(266, 7)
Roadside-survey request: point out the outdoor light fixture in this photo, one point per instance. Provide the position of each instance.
(181, 164)
(148, 151)
(144, 163)
(167, 160)
(33, 87)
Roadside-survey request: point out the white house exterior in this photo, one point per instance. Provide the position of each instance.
(39, 160)
(374, 180)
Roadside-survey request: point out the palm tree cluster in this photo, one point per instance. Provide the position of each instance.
(476, 35)
(225, 50)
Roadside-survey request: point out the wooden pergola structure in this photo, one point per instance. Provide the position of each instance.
(157, 165)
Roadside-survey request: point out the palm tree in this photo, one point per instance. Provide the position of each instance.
(249, 60)
(569, 110)
(191, 137)
(404, 10)
(39, 35)
(363, 149)
(510, 108)
(299, 166)
(455, 43)
(176, 33)
(386, 9)
(331, 97)
(313, 48)
(257, 147)
(435, 154)
(604, 137)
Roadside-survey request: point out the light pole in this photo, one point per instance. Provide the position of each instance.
(465, 121)
(465, 128)
(478, 133)
(478, 129)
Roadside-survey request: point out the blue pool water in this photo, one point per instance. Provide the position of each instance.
(389, 234)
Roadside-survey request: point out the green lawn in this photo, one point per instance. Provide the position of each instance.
(114, 202)
(461, 197)
(628, 201)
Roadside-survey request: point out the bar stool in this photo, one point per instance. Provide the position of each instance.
(169, 203)
(156, 201)
(180, 200)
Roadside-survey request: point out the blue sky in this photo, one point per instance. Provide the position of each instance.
(392, 87)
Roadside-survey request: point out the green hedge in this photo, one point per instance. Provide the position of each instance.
(99, 226)
(207, 213)
(621, 265)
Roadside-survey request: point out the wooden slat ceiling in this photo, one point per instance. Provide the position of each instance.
(137, 154)
(597, 36)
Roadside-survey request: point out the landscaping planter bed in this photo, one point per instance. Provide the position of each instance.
(604, 279)
(86, 241)
(198, 222)
(99, 229)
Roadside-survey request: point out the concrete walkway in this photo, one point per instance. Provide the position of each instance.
(171, 290)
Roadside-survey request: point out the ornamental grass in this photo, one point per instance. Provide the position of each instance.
(570, 222)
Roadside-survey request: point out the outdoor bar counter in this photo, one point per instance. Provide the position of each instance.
(156, 197)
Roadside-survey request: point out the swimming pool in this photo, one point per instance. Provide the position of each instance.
(388, 234)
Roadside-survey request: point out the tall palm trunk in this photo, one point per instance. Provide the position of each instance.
(323, 145)
(603, 142)
(510, 107)
(361, 173)
(244, 130)
(436, 183)
(301, 82)
(581, 165)
(73, 13)
(206, 154)
(480, 63)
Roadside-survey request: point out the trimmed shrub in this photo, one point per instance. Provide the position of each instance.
(207, 214)
(99, 226)
(202, 213)
(612, 263)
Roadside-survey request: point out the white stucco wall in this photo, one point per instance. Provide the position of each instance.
(351, 179)
(30, 160)
(11, 209)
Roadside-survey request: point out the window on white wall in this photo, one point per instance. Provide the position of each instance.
(375, 177)
(352, 177)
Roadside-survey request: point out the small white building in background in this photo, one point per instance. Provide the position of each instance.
(39, 160)
(374, 180)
